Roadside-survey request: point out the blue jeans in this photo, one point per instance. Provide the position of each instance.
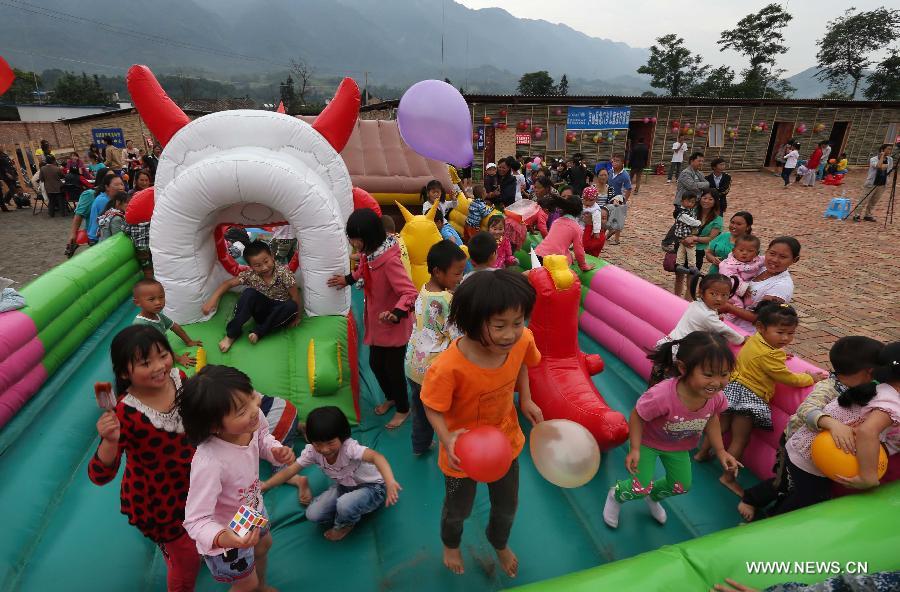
(422, 432)
(820, 172)
(341, 506)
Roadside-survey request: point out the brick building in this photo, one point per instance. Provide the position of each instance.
(855, 127)
(127, 120)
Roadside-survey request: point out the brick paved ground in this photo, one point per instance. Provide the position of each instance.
(847, 281)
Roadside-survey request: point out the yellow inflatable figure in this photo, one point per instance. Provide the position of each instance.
(419, 234)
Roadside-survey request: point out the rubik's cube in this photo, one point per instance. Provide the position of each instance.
(245, 520)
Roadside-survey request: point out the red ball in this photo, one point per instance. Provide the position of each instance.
(484, 454)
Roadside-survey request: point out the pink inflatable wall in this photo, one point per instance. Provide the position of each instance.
(628, 315)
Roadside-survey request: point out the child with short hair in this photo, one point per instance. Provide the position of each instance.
(497, 228)
(482, 253)
(472, 383)
(446, 229)
(760, 366)
(478, 211)
(221, 416)
(432, 332)
(150, 296)
(743, 264)
(565, 234)
(270, 298)
(362, 479)
(669, 418)
(156, 477)
(685, 225)
(701, 315)
(853, 361)
(390, 298)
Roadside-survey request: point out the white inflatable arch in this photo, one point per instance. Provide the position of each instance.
(252, 168)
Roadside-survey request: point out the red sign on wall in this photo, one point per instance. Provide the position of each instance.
(523, 139)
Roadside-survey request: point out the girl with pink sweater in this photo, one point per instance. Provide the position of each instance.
(566, 234)
(390, 298)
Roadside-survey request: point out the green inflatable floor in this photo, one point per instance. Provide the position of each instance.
(61, 525)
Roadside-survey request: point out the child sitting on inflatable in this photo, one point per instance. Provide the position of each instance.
(434, 194)
(760, 365)
(667, 422)
(482, 252)
(478, 211)
(447, 231)
(271, 297)
(701, 315)
(362, 479)
(497, 228)
(150, 297)
(432, 332)
(871, 411)
(853, 360)
(472, 384)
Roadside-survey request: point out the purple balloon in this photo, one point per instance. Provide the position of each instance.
(434, 121)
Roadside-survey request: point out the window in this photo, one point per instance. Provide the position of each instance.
(893, 133)
(716, 135)
(556, 137)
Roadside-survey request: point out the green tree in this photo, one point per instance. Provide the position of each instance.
(758, 37)
(671, 66)
(289, 95)
(719, 83)
(563, 88)
(79, 90)
(846, 50)
(23, 87)
(884, 82)
(536, 83)
(836, 93)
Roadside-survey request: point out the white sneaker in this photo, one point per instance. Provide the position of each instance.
(656, 510)
(668, 180)
(611, 509)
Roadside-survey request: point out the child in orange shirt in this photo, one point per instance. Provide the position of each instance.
(471, 384)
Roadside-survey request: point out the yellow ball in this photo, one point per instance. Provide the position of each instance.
(833, 461)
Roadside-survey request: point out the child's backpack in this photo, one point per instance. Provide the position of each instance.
(669, 246)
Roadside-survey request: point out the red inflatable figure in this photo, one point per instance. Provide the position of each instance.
(561, 384)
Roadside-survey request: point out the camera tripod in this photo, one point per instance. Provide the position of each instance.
(889, 214)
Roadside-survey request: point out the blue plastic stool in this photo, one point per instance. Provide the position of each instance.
(838, 207)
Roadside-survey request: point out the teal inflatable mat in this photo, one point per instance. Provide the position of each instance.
(64, 533)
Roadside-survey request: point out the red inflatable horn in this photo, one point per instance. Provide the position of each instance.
(364, 199)
(163, 116)
(140, 206)
(337, 120)
(7, 76)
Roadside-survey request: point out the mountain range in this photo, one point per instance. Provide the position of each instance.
(389, 43)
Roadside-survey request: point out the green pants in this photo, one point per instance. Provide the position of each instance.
(676, 481)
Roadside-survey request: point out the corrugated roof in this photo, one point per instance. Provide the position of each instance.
(642, 100)
(130, 110)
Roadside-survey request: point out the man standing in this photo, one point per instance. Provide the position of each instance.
(619, 183)
(876, 180)
(640, 154)
(721, 181)
(113, 157)
(691, 180)
(9, 177)
(678, 149)
(577, 175)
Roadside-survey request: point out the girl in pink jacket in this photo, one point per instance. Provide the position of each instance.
(565, 234)
(390, 298)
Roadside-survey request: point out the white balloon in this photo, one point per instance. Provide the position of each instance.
(564, 452)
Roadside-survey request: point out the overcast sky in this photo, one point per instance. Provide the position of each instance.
(639, 22)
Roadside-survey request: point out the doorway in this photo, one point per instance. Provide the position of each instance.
(838, 138)
(489, 152)
(782, 131)
(636, 131)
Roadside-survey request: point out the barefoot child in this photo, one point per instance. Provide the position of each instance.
(472, 383)
(362, 479)
(667, 422)
(432, 332)
(222, 417)
(150, 296)
(701, 315)
(144, 416)
(853, 360)
(390, 298)
(271, 297)
(760, 366)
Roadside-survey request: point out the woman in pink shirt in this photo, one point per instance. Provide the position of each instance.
(566, 234)
(390, 297)
(221, 415)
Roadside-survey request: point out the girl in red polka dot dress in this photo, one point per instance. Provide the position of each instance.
(147, 428)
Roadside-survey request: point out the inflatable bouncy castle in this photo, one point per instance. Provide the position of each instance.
(262, 169)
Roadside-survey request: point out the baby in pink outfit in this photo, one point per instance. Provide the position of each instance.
(744, 263)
